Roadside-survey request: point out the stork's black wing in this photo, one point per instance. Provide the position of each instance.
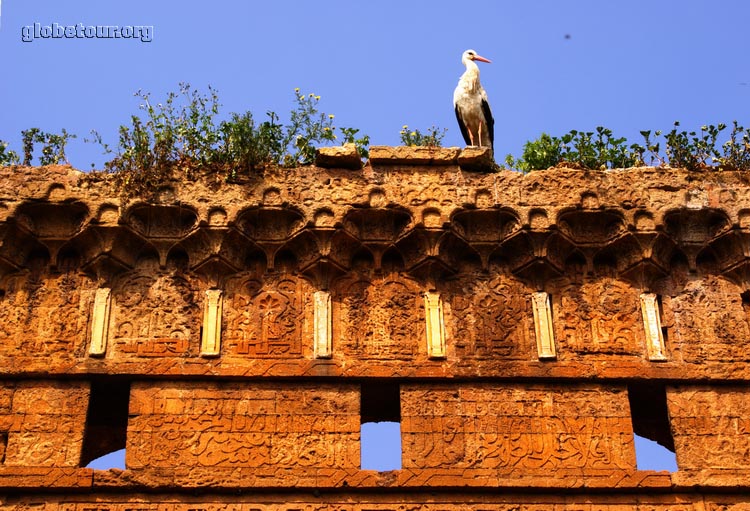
(461, 125)
(490, 122)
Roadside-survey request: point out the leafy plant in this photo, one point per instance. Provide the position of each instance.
(652, 146)
(53, 148)
(182, 134)
(307, 126)
(701, 150)
(599, 149)
(362, 143)
(28, 138)
(736, 150)
(542, 153)
(584, 149)
(7, 156)
(433, 137)
(692, 151)
(177, 134)
(243, 147)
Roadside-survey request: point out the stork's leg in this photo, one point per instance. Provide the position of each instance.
(480, 134)
(471, 137)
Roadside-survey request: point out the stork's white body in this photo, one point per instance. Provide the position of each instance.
(472, 108)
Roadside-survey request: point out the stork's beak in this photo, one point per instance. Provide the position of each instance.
(482, 59)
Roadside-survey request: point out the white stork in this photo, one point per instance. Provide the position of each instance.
(470, 101)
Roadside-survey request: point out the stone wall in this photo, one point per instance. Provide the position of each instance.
(225, 334)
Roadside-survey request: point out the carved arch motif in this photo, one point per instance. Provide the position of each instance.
(490, 318)
(266, 317)
(156, 314)
(381, 317)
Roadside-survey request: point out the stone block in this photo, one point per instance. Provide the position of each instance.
(477, 159)
(339, 157)
(413, 155)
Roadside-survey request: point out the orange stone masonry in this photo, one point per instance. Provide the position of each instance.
(233, 337)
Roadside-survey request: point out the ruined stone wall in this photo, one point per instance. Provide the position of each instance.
(522, 329)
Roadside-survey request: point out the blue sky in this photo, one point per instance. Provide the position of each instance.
(556, 65)
(627, 65)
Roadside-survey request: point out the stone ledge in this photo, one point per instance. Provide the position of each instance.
(338, 157)
(413, 155)
(270, 478)
(228, 367)
(377, 500)
(712, 477)
(474, 159)
(46, 477)
(477, 159)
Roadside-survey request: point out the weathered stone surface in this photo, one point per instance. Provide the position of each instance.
(413, 155)
(238, 323)
(286, 428)
(711, 427)
(388, 502)
(477, 159)
(341, 157)
(515, 431)
(42, 423)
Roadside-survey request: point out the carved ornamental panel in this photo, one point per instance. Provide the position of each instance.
(42, 423)
(269, 318)
(711, 427)
(532, 429)
(45, 316)
(302, 426)
(490, 319)
(711, 321)
(156, 314)
(602, 316)
(381, 318)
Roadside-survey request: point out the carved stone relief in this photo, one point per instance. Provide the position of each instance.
(598, 317)
(479, 406)
(380, 318)
(156, 314)
(268, 318)
(45, 315)
(301, 426)
(510, 427)
(711, 427)
(490, 319)
(49, 423)
(710, 322)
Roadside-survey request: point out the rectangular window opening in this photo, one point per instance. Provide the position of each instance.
(661, 316)
(3, 446)
(380, 426)
(745, 296)
(654, 444)
(105, 434)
